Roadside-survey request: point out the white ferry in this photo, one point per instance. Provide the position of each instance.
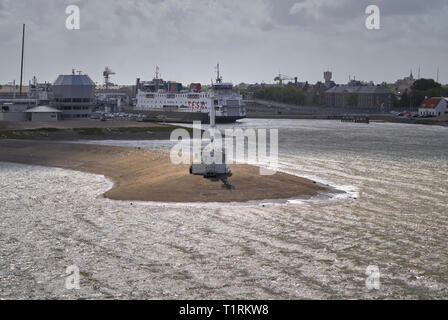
(165, 101)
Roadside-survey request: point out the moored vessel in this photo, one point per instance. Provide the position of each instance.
(169, 102)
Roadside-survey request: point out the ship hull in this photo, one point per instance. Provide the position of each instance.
(184, 117)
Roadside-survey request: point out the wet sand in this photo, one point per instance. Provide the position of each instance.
(70, 124)
(86, 130)
(149, 175)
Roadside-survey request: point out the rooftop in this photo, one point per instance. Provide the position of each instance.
(431, 103)
(359, 89)
(74, 80)
(42, 109)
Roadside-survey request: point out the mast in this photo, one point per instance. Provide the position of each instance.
(157, 79)
(21, 63)
(213, 121)
(218, 78)
(213, 168)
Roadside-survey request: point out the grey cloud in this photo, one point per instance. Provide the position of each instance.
(412, 7)
(251, 38)
(329, 12)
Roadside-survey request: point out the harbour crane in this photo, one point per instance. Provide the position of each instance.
(106, 74)
(281, 77)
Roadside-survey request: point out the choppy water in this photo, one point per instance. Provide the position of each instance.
(53, 218)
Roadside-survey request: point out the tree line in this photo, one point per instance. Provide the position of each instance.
(421, 89)
(287, 94)
(412, 98)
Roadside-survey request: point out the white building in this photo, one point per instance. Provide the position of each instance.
(43, 114)
(14, 110)
(433, 107)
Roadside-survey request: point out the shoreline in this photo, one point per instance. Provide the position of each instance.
(88, 130)
(148, 175)
(92, 130)
(263, 109)
(373, 118)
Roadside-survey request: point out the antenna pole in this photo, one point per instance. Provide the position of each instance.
(212, 112)
(21, 63)
(218, 79)
(213, 122)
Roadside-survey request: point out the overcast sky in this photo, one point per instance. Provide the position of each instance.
(251, 39)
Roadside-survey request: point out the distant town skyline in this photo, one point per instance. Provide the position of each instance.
(252, 40)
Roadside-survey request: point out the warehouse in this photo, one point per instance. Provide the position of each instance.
(43, 114)
(363, 97)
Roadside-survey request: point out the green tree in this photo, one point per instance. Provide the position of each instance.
(288, 94)
(352, 100)
(418, 96)
(405, 101)
(425, 84)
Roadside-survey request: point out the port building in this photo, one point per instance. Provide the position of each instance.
(74, 96)
(14, 109)
(43, 114)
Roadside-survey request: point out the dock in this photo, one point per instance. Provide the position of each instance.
(355, 118)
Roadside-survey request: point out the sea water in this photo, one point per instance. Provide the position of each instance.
(395, 218)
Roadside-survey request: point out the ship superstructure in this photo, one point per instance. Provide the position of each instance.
(167, 101)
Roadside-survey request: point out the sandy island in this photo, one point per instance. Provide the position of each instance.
(149, 175)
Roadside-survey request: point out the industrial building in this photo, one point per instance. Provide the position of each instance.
(43, 114)
(71, 97)
(112, 101)
(13, 109)
(361, 96)
(11, 91)
(74, 96)
(41, 92)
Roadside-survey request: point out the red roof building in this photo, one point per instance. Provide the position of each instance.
(431, 103)
(433, 107)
